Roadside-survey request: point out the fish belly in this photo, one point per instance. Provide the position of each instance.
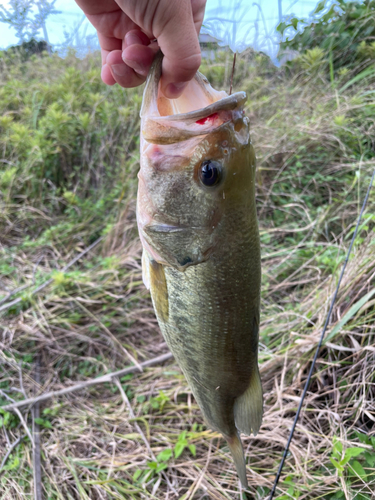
(212, 329)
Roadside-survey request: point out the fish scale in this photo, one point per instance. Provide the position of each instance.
(197, 222)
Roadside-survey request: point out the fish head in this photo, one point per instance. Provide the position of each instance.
(197, 170)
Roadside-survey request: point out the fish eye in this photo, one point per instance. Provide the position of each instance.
(210, 173)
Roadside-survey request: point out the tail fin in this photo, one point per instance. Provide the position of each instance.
(236, 449)
(248, 408)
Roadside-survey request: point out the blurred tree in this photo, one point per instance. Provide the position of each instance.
(25, 50)
(344, 30)
(28, 17)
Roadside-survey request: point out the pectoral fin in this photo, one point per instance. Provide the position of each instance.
(159, 291)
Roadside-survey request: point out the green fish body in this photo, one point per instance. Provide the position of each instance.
(197, 221)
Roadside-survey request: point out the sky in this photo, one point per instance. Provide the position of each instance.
(260, 16)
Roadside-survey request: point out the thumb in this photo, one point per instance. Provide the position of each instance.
(178, 39)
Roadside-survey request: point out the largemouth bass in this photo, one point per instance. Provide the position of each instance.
(201, 255)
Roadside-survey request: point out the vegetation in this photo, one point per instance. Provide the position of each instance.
(68, 165)
(25, 50)
(342, 29)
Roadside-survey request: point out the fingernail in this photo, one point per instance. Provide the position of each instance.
(119, 69)
(132, 38)
(174, 90)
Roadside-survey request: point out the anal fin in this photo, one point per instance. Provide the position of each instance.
(248, 408)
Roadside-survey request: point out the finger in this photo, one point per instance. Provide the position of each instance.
(115, 70)
(138, 53)
(92, 8)
(109, 43)
(121, 72)
(136, 37)
(107, 17)
(106, 73)
(178, 40)
(107, 76)
(198, 8)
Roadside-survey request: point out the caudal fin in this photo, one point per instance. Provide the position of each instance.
(236, 449)
(248, 408)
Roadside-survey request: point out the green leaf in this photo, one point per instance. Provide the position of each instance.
(363, 74)
(294, 22)
(161, 467)
(331, 13)
(358, 469)
(364, 438)
(179, 448)
(319, 7)
(348, 316)
(13, 464)
(281, 27)
(43, 423)
(338, 466)
(6, 418)
(353, 452)
(148, 475)
(136, 474)
(193, 449)
(370, 458)
(337, 448)
(182, 436)
(164, 455)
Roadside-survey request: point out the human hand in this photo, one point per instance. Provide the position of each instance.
(130, 33)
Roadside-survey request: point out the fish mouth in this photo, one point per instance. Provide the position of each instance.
(198, 111)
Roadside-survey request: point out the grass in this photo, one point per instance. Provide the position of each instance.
(68, 164)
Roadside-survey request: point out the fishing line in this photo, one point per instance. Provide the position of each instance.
(321, 340)
(231, 78)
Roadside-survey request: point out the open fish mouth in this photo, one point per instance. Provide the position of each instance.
(200, 110)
